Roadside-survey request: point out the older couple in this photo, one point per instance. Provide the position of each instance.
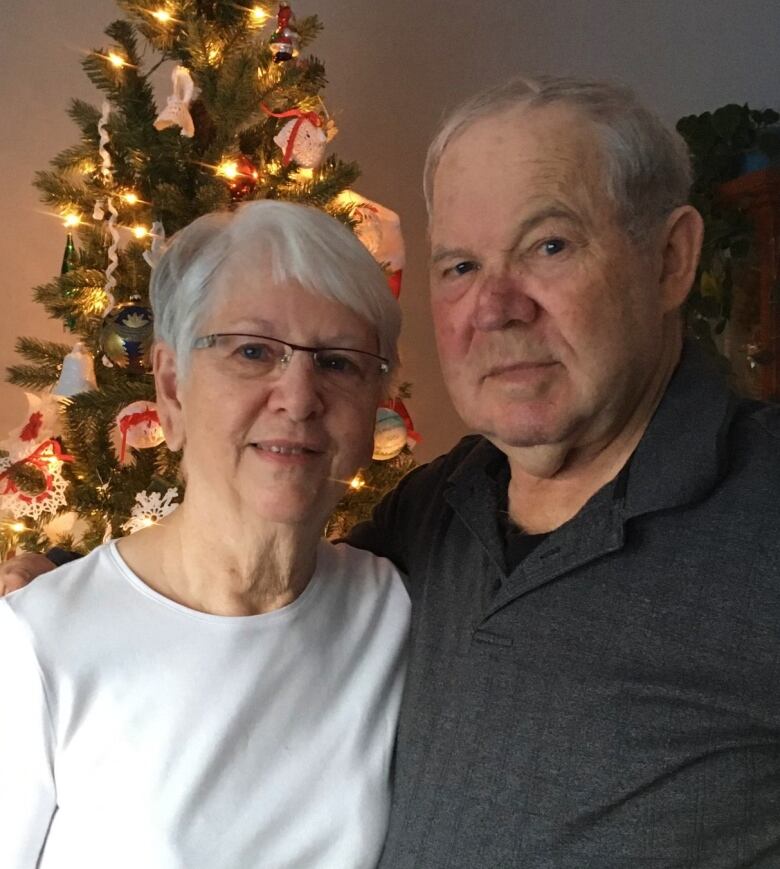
(594, 575)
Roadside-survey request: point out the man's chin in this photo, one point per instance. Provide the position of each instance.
(526, 430)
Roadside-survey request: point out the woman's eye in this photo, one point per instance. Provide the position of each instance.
(255, 352)
(337, 363)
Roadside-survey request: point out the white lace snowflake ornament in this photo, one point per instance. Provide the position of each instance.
(23, 505)
(149, 508)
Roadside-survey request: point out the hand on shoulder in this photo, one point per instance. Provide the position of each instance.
(22, 570)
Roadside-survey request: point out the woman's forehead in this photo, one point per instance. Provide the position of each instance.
(257, 304)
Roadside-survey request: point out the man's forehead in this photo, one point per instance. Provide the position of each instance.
(544, 152)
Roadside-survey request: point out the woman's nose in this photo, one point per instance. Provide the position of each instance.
(296, 388)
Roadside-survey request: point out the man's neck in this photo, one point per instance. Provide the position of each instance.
(550, 486)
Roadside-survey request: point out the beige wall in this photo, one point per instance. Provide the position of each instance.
(393, 68)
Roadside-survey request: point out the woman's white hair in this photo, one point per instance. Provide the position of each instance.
(647, 165)
(295, 243)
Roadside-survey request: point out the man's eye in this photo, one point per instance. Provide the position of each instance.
(553, 246)
(464, 267)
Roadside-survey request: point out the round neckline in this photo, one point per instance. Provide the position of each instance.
(282, 614)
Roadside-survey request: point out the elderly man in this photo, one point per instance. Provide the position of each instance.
(596, 576)
(594, 663)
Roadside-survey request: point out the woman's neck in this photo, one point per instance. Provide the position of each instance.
(223, 568)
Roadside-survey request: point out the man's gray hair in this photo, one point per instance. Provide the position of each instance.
(647, 165)
(288, 241)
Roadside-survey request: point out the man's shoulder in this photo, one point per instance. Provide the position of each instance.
(762, 417)
(756, 428)
(444, 466)
(401, 524)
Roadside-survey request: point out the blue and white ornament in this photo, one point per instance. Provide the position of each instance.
(389, 434)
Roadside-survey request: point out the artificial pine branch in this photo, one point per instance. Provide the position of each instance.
(73, 158)
(41, 352)
(32, 377)
(86, 116)
(57, 190)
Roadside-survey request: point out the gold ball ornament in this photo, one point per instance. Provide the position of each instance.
(126, 336)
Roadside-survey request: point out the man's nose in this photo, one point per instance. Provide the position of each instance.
(296, 388)
(501, 300)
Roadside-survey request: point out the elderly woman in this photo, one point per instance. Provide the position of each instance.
(221, 690)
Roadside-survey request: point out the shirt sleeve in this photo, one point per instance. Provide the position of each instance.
(27, 792)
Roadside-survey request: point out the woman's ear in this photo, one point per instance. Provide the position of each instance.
(683, 234)
(168, 405)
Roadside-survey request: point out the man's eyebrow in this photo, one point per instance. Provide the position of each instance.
(441, 253)
(550, 212)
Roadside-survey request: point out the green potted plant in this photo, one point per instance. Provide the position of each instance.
(724, 144)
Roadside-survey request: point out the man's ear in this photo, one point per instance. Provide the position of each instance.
(168, 404)
(681, 245)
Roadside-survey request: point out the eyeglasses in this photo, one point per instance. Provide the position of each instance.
(248, 356)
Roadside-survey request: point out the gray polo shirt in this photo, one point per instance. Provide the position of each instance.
(613, 701)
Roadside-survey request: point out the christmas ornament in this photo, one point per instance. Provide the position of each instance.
(241, 175)
(149, 508)
(301, 139)
(46, 459)
(69, 257)
(78, 373)
(139, 427)
(379, 229)
(157, 249)
(177, 110)
(389, 434)
(412, 437)
(126, 336)
(304, 141)
(108, 204)
(285, 39)
(40, 424)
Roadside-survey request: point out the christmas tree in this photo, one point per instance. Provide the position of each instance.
(244, 120)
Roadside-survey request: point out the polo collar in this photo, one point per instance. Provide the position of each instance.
(679, 459)
(682, 454)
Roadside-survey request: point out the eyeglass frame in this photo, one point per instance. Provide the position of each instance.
(206, 341)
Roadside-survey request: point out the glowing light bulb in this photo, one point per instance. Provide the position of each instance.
(140, 231)
(130, 198)
(273, 167)
(258, 15)
(71, 219)
(116, 60)
(146, 522)
(357, 483)
(303, 174)
(18, 527)
(228, 169)
(162, 15)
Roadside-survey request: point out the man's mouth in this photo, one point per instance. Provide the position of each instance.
(519, 368)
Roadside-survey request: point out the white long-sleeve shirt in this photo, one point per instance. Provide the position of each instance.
(135, 732)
